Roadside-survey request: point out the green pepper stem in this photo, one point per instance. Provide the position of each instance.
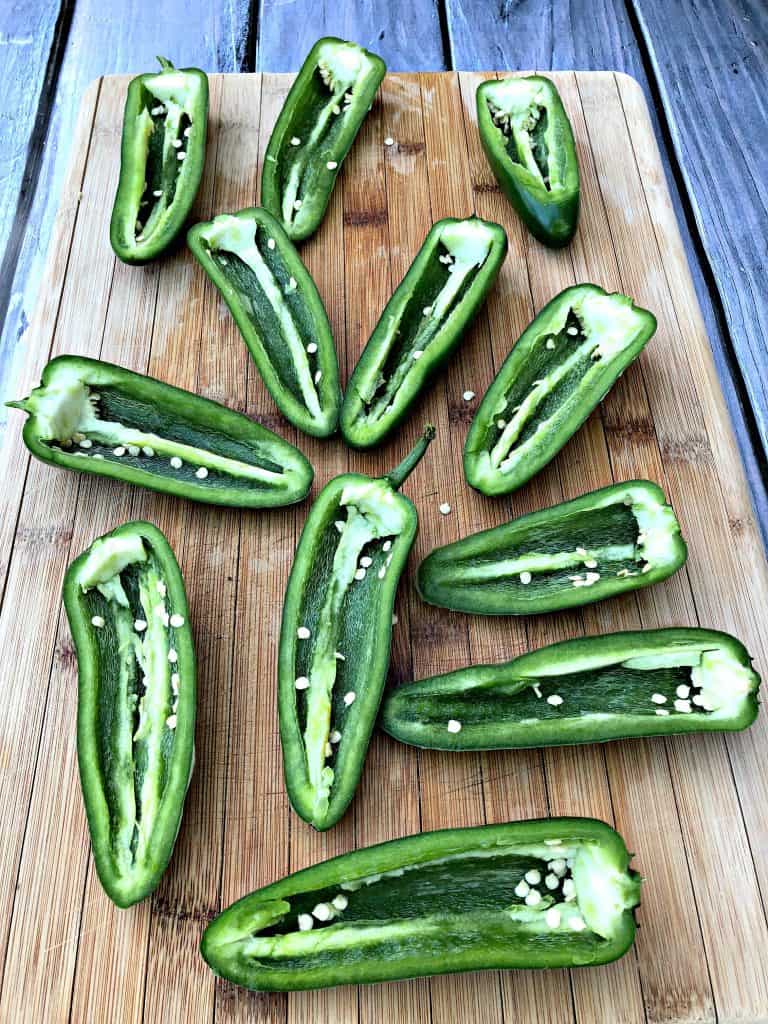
(401, 473)
(165, 64)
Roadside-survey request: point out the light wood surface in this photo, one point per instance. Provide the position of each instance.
(692, 809)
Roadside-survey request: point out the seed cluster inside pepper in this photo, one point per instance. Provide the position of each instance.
(169, 133)
(525, 131)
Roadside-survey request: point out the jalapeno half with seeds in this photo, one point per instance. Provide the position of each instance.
(161, 162)
(549, 893)
(94, 417)
(279, 312)
(336, 633)
(528, 141)
(319, 121)
(650, 683)
(127, 610)
(604, 543)
(422, 325)
(562, 366)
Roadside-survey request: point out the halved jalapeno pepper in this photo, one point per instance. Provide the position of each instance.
(421, 326)
(562, 366)
(528, 141)
(94, 417)
(319, 121)
(279, 312)
(336, 633)
(127, 610)
(604, 543)
(161, 163)
(649, 683)
(550, 893)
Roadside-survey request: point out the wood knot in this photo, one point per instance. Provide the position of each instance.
(365, 218)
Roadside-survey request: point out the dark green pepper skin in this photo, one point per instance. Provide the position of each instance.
(336, 634)
(564, 363)
(435, 903)
(549, 206)
(317, 114)
(149, 162)
(604, 543)
(389, 378)
(602, 688)
(281, 323)
(244, 464)
(130, 750)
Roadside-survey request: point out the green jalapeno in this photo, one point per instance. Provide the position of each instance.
(127, 610)
(279, 312)
(650, 683)
(604, 543)
(528, 141)
(422, 325)
(161, 163)
(336, 633)
(94, 417)
(557, 892)
(319, 121)
(562, 366)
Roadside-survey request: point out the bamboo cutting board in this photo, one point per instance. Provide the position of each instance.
(692, 808)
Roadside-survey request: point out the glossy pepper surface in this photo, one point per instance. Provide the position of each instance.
(320, 119)
(561, 367)
(604, 543)
(550, 893)
(94, 417)
(421, 326)
(528, 141)
(336, 633)
(161, 160)
(649, 683)
(279, 312)
(127, 610)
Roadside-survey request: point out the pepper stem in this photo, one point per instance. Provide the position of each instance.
(401, 473)
(165, 64)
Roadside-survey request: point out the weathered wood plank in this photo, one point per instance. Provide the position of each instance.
(213, 36)
(717, 110)
(407, 36)
(31, 38)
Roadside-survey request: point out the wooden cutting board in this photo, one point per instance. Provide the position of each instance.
(693, 809)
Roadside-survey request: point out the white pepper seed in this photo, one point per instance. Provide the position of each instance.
(97, 621)
(454, 725)
(301, 683)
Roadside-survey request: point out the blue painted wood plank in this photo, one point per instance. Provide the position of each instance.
(406, 34)
(102, 39)
(711, 66)
(600, 35)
